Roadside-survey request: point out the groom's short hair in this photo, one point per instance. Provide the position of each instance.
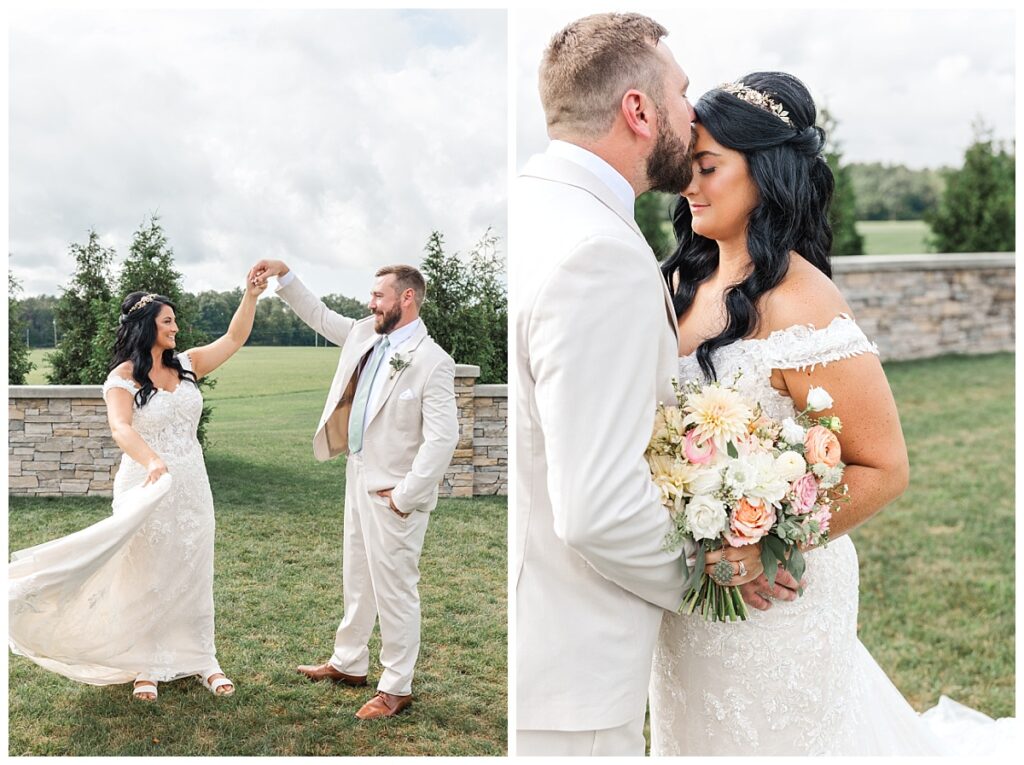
(591, 63)
(407, 277)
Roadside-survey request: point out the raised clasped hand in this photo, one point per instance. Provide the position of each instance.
(264, 269)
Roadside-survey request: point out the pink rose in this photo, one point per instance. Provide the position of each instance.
(805, 493)
(699, 454)
(821, 447)
(823, 516)
(749, 522)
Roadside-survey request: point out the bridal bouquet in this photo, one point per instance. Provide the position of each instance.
(731, 476)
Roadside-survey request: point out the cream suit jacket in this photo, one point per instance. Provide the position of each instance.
(596, 352)
(412, 431)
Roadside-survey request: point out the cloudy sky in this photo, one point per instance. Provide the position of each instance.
(905, 86)
(336, 140)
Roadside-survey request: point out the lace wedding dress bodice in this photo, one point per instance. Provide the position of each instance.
(132, 595)
(789, 680)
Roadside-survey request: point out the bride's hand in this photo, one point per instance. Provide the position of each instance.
(255, 287)
(156, 468)
(746, 562)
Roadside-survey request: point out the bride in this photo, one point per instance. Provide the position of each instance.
(130, 598)
(752, 291)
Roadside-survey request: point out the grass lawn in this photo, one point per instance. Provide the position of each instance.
(937, 566)
(893, 237)
(278, 597)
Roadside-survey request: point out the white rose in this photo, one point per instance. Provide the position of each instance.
(706, 482)
(818, 399)
(792, 431)
(769, 484)
(790, 466)
(706, 517)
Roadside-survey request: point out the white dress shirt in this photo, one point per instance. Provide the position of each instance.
(395, 339)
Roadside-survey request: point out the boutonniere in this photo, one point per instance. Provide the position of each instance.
(397, 364)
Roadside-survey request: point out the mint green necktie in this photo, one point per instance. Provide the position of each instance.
(358, 413)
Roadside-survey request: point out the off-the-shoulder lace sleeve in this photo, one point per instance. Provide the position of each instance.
(803, 346)
(116, 381)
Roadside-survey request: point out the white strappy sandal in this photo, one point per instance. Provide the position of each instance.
(144, 686)
(213, 685)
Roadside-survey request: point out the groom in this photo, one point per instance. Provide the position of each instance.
(596, 351)
(391, 408)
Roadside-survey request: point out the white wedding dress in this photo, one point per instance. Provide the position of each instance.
(132, 595)
(794, 680)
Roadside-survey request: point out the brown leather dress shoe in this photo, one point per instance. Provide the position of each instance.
(383, 705)
(327, 672)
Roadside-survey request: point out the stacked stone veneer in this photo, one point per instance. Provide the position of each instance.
(60, 443)
(917, 306)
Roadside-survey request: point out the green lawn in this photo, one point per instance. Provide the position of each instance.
(278, 596)
(893, 237)
(937, 566)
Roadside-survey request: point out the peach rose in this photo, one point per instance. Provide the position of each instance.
(821, 446)
(698, 454)
(749, 522)
(805, 493)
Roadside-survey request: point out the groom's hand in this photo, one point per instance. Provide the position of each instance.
(386, 493)
(264, 269)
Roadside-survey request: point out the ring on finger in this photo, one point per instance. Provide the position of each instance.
(742, 570)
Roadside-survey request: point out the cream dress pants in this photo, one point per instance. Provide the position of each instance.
(380, 573)
(624, 741)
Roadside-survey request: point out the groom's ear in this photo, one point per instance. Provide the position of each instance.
(637, 109)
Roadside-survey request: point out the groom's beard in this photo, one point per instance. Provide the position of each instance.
(670, 164)
(388, 321)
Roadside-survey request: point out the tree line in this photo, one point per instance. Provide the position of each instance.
(466, 308)
(969, 208)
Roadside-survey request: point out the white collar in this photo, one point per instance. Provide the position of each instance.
(611, 177)
(398, 336)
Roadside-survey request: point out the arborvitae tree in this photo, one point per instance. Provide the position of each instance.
(466, 307)
(976, 212)
(652, 216)
(18, 363)
(149, 267)
(843, 212)
(82, 312)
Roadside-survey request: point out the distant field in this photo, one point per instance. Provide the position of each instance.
(893, 237)
(253, 371)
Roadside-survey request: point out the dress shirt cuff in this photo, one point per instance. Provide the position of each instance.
(285, 279)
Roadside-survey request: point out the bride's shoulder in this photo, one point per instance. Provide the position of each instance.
(123, 370)
(805, 297)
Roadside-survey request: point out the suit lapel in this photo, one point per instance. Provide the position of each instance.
(560, 170)
(563, 171)
(407, 351)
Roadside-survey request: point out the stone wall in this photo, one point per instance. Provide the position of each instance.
(918, 306)
(60, 443)
(490, 440)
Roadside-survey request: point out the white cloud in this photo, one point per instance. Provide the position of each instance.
(335, 139)
(905, 85)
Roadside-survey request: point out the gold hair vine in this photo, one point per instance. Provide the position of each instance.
(145, 300)
(758, 99)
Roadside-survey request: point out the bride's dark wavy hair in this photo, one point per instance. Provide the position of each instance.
(794, 187)
(136, 336)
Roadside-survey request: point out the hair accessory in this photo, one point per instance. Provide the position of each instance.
(144, 300)
(758, 99)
